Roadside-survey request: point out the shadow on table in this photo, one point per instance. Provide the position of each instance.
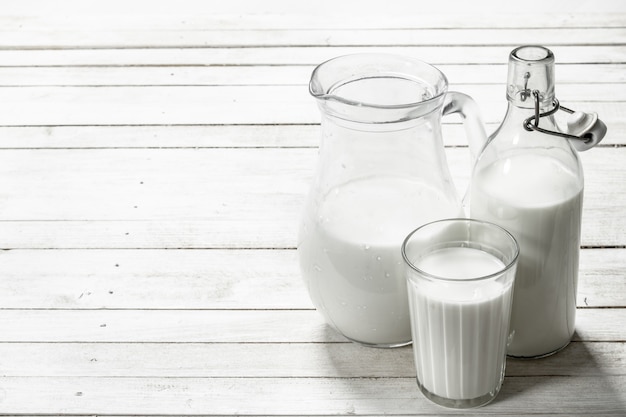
(365, 371)
(578, 359)
(373, 381)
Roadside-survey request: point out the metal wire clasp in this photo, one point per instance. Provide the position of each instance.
(532, 123)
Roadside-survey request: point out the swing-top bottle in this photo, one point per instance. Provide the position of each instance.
(531, 183)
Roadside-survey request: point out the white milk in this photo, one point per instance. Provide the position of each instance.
(350, 254)
(540, 202)
(460, 329)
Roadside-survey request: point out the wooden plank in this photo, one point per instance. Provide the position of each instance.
(223, 326)
(210, 198)
(152, 279)
(172, 136)
(276, 230)
(209, 136)
(269, 360)
(580, 92)
(602, 279)
(293, 56)
(211, 279)
(300, 396)
(178, 326)
(234, 15)
(167, 38)
(601, 227)
(162, 105)
(184, 185)
(458, 74)
(578, 358)
(235, 104)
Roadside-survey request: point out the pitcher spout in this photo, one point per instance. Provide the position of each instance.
(377, 88)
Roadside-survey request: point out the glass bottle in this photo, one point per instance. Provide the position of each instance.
(531, 183)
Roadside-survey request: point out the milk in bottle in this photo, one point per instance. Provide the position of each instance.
(531, 183)
(539, 201)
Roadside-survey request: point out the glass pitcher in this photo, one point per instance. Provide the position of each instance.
(381, 173)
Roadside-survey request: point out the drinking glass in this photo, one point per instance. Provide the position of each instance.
(460, 275)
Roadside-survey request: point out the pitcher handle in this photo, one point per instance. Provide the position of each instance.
(467, 108)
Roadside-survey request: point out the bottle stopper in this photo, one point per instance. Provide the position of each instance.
(588, 127)
(583, 130)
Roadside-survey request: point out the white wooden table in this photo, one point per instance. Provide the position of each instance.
(154, 158)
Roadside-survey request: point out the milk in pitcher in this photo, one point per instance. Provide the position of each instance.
(381, 172)
(351, 259)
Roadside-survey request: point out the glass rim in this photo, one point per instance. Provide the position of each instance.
(517, 54)
(501, 271)
(328, 95)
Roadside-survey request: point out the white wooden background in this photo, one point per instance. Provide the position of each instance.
(154, 158)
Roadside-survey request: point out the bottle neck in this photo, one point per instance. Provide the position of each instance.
(530, 71)
(516, 115)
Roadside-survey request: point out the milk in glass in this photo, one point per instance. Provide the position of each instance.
(460, 328)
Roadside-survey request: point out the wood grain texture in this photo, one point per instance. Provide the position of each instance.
(300, 396)
(210, 279)
(226, 105)
(581, 74)
(223, 326)
(210, 136)
(210, 37)
(154, 160)
(298, 55)
(272, 360)
(211, 198)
